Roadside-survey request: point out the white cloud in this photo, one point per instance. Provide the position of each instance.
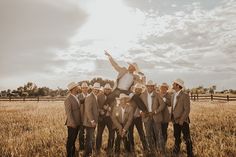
(193, 41)
(31, 33)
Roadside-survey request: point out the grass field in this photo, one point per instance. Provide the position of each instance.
(31, 129)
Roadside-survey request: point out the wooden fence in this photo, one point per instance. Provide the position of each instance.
(196, 97)
(10, 98)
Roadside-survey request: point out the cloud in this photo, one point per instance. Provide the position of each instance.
(185, 39)
(31, 33)
(171, 6)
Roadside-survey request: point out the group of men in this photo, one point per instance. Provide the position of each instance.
(131, 102)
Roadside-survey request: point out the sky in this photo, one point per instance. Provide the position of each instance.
(54, 42)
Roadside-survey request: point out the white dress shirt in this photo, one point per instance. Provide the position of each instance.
(96, 97)
(84, 95)
(149, 100)
(175, 98)
(122, 114)
(126, 81)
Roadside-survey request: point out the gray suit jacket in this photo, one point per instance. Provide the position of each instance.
(117, 117)
(72, 108)
(82, 107)
(157, 106)
(101, 103)
(182, 108)
(91, 110)
(166, 113)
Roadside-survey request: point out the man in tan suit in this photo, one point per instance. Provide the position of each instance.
(104, 120)
(180, 109)
(122, 116)
(152, 120)
(81, 97)
(73, 121)
(127, 77)
(166, 97)
(91, 118)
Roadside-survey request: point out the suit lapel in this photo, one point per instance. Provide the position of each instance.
(153, 100)
(120, 114)
(145, 98)
(94, 99)
(126, 113)
(73, 99)
(172, 102)
(177, 99)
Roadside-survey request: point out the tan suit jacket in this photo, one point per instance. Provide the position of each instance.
(166, 112)
(180, 113)
(101, 103)
(91, 110)
(121, 72)
(82, 107)
(157, 106)
(117, 117)
(72, 108)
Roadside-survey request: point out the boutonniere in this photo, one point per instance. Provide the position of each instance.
(117, 114)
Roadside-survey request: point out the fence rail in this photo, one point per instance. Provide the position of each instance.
(10, 98)
(196, 97)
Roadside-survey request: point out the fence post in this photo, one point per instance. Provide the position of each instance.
(211, 97)
(24, 98)
(197, 96)
(228, 98)
(38, 99)
(194, 97)
(191, 96)
(9, 97)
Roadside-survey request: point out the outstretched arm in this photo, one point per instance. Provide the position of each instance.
(113, 62)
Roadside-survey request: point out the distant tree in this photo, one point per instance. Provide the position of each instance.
(20, 90)
(43, 91)
(3, 93)
(211, 90)
(31, 89)
(232, 91)
(24, 94)
(214, 87)
(101, 81)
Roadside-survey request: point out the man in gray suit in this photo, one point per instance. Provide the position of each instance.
(122, 116)
(72, 108)
(180, 109)
(166, 97)
(91, 119)
(81, 97)
(152, 120)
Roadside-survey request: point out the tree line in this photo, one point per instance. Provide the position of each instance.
(30, 89)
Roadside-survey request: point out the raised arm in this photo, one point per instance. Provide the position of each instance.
(115, 65)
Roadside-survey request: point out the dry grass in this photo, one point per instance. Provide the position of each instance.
(37, 129)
